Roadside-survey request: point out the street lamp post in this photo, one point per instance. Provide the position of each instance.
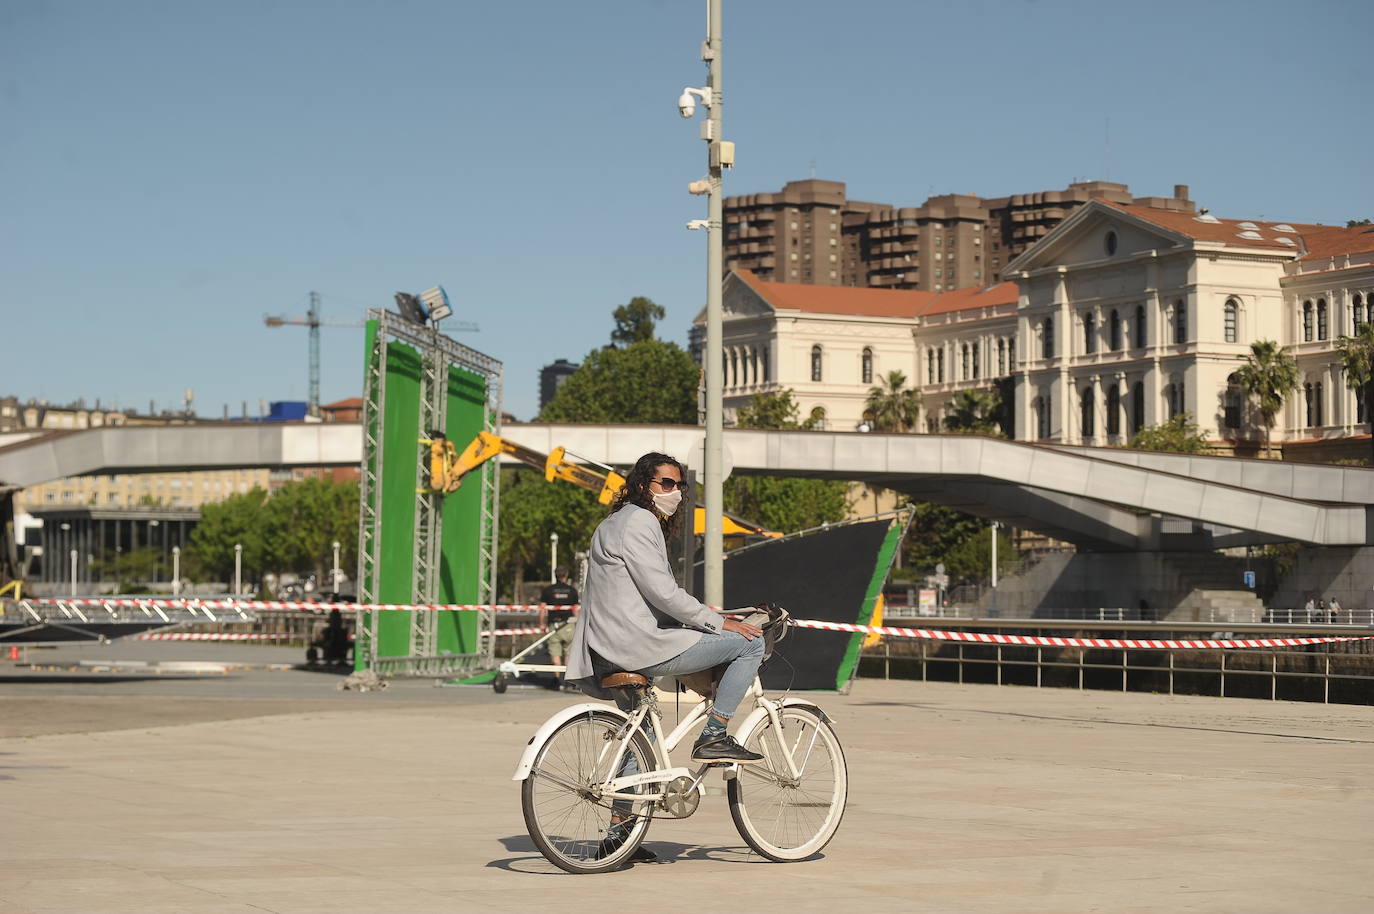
(336, 572)
(994, 553)
(176, 571)
(74, 557)
(238, 569)
(720, 155)
(553, 562)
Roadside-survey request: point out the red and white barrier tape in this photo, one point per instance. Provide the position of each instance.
(918, 633)
(213, 636)
(927, 634)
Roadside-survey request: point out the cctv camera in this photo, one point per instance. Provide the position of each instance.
(686, 105)
(698, 224)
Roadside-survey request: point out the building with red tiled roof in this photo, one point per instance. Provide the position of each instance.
(1130, 315)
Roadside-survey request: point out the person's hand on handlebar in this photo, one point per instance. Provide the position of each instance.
(750, 632)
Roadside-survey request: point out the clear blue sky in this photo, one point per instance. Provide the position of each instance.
(172, 170)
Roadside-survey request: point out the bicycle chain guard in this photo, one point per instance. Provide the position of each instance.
(680, 798)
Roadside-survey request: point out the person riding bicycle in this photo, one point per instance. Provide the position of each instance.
(636, 618)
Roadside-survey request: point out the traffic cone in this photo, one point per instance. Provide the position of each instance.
(14, 652)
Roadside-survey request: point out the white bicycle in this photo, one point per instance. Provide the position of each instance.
(590, 764)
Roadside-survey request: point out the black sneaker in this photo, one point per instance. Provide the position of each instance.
(723, 748)
(613, 842)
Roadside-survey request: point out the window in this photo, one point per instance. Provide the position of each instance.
(1139, 327)
(1230, 314)
(1114, 330)
(1175, 397)
(1307, 322)
(867, 366)
(1087, 411)
(1357, 312)
(1047, 338)
(1113, 411)
(930, 366)
(1180, 322)
(964, 375)
(975, 359)
(940, 365)
(1360, 410)
(1001, 357)
(1089, 333)
(815, 363)
(1321, 318)
(1137, 407)
(1311, 413)
(1109, 244)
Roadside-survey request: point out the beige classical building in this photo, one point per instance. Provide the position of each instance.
(811, 233)
(1129, 315)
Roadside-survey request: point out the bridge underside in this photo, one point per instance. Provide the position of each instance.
(1098, 498)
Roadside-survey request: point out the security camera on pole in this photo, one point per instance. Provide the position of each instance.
(720, 155)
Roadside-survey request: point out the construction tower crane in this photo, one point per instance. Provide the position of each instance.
(313, 321)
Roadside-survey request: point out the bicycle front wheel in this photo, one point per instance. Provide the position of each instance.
(782, 816)
(569, 824)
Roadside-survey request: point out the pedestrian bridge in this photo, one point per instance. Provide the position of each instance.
(1099, 498)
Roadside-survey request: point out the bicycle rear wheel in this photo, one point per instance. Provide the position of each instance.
(786, 818)
(567, 822)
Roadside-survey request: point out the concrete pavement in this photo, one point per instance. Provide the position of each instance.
(273, 792)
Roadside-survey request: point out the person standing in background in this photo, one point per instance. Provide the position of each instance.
(559, 593)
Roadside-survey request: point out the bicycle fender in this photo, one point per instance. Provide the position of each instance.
(546, 729)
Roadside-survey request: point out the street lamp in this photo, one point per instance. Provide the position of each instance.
(553, 562)
(994, 553)
(336, 569)
(74, 554)
(176, 571)
(238, 569)
(720, 155)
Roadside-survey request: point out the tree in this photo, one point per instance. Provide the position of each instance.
(1178, 435)
(531, 509)
(301, 522)
(649, 381)
(1357, 360)
(134, 569)
(1269, 375)
(975, 412)
(970, 561)
(783, 503)
(1356, 223)
(635, 321)
(890, 407)
(937, 533)
(772, 409)
(235, 520)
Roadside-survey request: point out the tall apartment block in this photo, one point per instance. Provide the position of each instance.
(810, 232)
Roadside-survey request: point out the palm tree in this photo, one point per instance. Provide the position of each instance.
(975, 412)
(1357, 360)
(890, 407)
(1269, 374)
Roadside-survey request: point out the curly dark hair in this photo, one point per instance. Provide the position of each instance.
(635, 491)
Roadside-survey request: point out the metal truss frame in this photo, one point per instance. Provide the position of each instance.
(438, 354)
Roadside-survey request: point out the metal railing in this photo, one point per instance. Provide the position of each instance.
(1341, 672)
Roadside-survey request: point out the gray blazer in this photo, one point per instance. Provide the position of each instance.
(633, 613)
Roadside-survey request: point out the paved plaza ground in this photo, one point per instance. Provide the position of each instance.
(259, 790)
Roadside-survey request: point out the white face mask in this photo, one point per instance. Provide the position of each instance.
(667, 503)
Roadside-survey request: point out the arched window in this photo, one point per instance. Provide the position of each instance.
(1174, 393)
(1311, 409)
(1139, 327)
(1001, 357)
(734, 369)
(817, 418)
(1307, 322)
(1114, 330)
(1321, 318)
(815, 363)
(1011, 353)
(1047, 338)
(1113, 410)
(1137, 407)
(1230, 318)
(974, 356)
(1357, 312)
(763, 365)
(930, 366)
(963, 365)
(1087, 413)
(940, 364)
(1233, 401)
(1180, 322)
(1089, 333)
(868, 365)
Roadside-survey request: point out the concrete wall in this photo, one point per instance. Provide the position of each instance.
(1343, 572)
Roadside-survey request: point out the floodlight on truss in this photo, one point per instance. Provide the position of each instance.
(437, 303)
(411, 309)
